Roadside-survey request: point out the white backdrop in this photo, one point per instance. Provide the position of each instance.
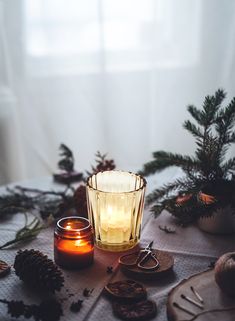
(108, 75)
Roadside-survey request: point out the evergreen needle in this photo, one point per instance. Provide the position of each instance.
(213, 127)
(28, 232)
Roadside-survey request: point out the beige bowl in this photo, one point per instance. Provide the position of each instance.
(221, 222)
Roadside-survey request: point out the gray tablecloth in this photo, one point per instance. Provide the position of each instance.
(192, 249)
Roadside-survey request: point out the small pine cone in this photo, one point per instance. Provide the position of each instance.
(80, 201)
(105, 165)
(35, 269)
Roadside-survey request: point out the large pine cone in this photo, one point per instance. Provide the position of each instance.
(35, 269)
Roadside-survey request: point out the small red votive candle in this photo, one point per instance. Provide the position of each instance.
(73, 243)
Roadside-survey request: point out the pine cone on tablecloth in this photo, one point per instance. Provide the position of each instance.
(35, 269)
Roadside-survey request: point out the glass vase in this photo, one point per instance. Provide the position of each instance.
(115, 207)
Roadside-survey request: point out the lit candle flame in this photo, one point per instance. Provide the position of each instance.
(80, 243)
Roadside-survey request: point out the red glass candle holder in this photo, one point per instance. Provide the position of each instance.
(73, 243)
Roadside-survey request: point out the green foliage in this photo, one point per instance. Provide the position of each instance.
(66, 162)
(102, 164)
(213, 130)
(29, 231)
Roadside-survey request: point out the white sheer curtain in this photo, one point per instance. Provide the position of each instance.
(108, 75)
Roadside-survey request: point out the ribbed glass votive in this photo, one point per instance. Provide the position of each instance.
(115, 206)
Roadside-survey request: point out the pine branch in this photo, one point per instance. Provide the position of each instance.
(177, 186)
(28, 232)
(211, 107)
(220, 95)
(209, 157)
(166, 203)
(229, 114)
(225, 123)
(102, 164)
(197, 114)
(157, 209)
(165, 159)
(228, 167)
(193, 129)
(39, 193)
(21, 199)
(231, 138)
(66, 162)
(214, 133)
(185, 213)
(65, 151)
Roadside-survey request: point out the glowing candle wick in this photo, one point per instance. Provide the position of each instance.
(80, 243)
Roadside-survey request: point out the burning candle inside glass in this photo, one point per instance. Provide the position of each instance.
(73, 243)
(115, 206)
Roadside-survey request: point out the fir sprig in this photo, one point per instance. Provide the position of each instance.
(49, 204)
(29, 231)
(66, 162)
(29, 199)
(213, 130)
(102, 164)
(47, 310)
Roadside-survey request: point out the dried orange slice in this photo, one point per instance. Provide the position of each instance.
(127, 290)
(140, 311)
(4, 268)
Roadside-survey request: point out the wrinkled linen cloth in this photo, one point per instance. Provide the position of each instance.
(192, 250)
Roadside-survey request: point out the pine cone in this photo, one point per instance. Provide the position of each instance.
(35, 269)
(80, 201)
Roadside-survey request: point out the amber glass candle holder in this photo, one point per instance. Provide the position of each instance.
(115, 206)
(73, 243)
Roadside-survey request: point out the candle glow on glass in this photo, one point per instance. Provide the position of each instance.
(74, 246)
(115, 206)
(115, 225)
